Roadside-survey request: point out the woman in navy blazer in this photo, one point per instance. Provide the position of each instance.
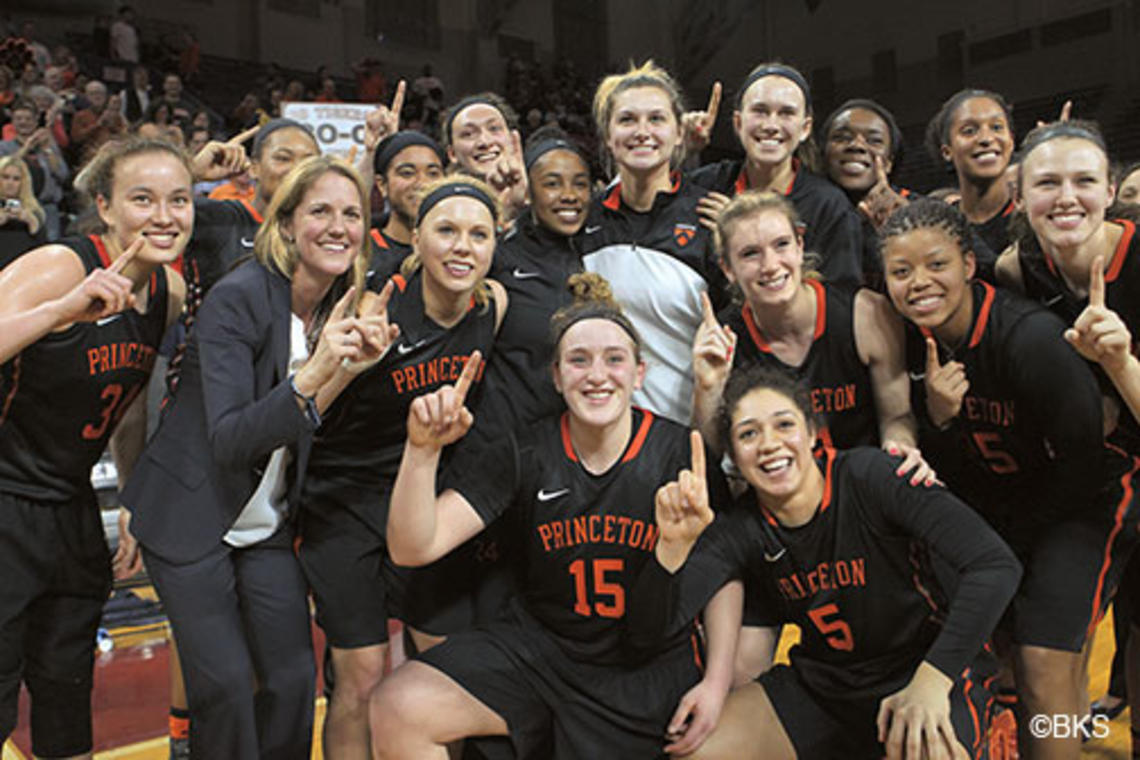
(212, 495)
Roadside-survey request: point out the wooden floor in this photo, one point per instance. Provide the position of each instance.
(132, 695)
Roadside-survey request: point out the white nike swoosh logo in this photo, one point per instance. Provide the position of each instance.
(592, 230)
(917, 376)
(775, 558)
(1054, 299)
(107, 320)
(247, 243)
(521, 275)
(544, 495)
(405, 348)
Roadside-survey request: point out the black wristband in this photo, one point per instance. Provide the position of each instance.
(310, 402)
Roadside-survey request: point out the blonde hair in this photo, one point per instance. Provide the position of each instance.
(279, 253)
(25, 195)
(593, 299)
(648, 74)
(753, 203)
(414, 261)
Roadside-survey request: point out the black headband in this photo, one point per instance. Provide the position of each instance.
(391, 146)
(272, 126)
(470, 100)
(450, 190)
(542, 147)
(777, 70)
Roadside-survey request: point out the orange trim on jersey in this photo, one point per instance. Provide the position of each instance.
(252, 211)
(826, 501)
(904, 192)
(639, 439)
(613, 200)
(820, 318)
(697, 651)
(1121, 252)
(979, 735)
(983, 315)
(153, 282)
(1117, 525)
(401, 283)
(101, 249)
(379, 239)
(1008, 208)
(567, 446)
(742, 184)
(12, 391)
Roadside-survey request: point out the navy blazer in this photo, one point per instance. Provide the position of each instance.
(233, 407)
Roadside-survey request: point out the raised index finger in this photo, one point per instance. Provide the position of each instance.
(697, 444)
(467, 377)
(340, 311)
(881, 172)
(380, 305)
(1096, 282)
(932, 364)
(714, 104)
(398, 102)
(707, 313)
(119, 264)
(241, 137)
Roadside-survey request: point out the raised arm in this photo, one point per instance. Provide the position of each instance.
(422, 527)
(713, 349)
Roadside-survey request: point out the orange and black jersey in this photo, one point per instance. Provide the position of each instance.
(833, 227)
(361, 440)
(387, 256)
(584, 537)
(1025, 448)
(856, 578)
(658, 263)
(63, 395)
(988, 239)
(224, 232)
(1043, 283)
(533, 265)
(840, 383)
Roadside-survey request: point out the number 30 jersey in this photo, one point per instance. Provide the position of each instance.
(62, 396)
(584, 537)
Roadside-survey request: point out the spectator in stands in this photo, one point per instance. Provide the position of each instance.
(294, 92)
(125, 37)
(36, 145)
(244, 114)
(39, 50)
(52, 107)
(181, 109)
(136, 97)
(21, 218)
(328, 92)
(101, 121)
(371, 85)
(239, 188)
(197, 140)
(30, 76)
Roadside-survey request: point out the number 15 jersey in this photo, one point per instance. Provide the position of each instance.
(584, 537)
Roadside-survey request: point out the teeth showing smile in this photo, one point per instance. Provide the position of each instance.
(987, 155)
(776, 465)
(336, 247)
(1067, 220)
(487, 155)
(925, 303)
(854, 167)
(774, 283)
(568, 214)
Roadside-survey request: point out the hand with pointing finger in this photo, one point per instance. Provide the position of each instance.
(713, 349)
(881, 200)
(222, 160)
(339, 342)
(946, 386)
(376, 333)
(697, 126)
(441, 418)
(102, 293)
(509, 177)
(1099, 334)
(682, 509)
(383, 121)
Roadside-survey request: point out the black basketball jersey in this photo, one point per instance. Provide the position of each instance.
(1043, 283)
(840, 382)
(856, 578)
(533, 265)
(361, 441)
(387, 256)
(658, 263)
(1026, 445)
(63, 395)
(832, 226)
(584, 537)
(224, 232)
